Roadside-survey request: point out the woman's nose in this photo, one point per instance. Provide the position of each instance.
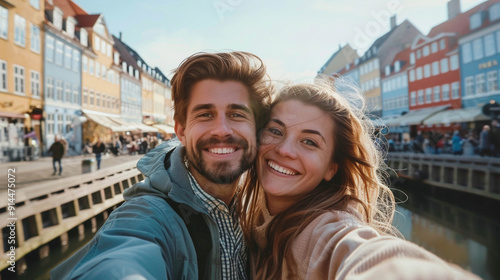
(286, 148)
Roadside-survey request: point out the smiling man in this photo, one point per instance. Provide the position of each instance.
(180, 221)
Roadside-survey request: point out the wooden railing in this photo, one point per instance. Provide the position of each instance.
(47, 211)
(473, 174)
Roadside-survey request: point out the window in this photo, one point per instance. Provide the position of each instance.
(92, 97)
(59, 53)
(67, 92)
(68, 123)
(50, 124)
(4, 22)
(444, 65)
(480, 84)
(19, 79)
(35, 38)
(437, 95)
(419, 54)
(20, 30)
(97, 43)
(425, 51)
(108, 50)
(434, 47)
(477, 49)
(494, 12)
(455, 88)
(35, 4)
(397, 66)
(427, 71)
(489, 45)
(492, 81)
(91, 67)
(76, 61)
(97, 69)
(98, 99)
(404, 80)
(3, 75)
(466, 53)
(435, 68)
(419, 73)
(59, 90)
(84, 38)
(84, 63)
(35, 83)
(442, 44)
(60, 124)
(116, 58)
(412, 58)
(454, 62)
(85, 96)
(76, 95)
(58, 18)
(412, 75)
(428, 95)
(70, 26)
(49, 48)
(469, 86)
(50, 88)
(103, 70)
(67, 56)
(446, 91)
(475, 20)
(387, 70)
(421, 96)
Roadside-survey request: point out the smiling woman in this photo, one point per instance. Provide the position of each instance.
(315, 206)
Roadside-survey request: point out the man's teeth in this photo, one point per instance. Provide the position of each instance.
(222, 150)
(280, 169)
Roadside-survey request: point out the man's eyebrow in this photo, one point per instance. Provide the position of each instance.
(239, 107)
(277, 121)
(200, 107)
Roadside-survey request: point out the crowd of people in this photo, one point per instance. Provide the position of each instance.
(483, 143)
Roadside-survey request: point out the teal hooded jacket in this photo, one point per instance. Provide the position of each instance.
(145, 238)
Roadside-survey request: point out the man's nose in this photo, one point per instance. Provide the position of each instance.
(222, 127)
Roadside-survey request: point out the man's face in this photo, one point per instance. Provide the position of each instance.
(219, 134)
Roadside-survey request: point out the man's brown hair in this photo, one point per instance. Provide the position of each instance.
(242, 67)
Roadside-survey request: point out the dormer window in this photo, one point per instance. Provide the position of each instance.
(136, 74)
(387, 70)
(70, 26)
(124, 67)
(397, 66)
(116, 58)
(139, 63)
(58, 18)
(130, 70)
(84, 37)
(356, 61)
(412, 58)
(494, 12)
(475, 20)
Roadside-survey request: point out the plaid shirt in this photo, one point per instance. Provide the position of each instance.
(232, 245)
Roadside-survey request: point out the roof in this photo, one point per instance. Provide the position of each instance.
(125, 55)
(460, 23)
(333, 56)
(87, 20)
(402, 56)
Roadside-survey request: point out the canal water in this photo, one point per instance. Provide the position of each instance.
(462, 229)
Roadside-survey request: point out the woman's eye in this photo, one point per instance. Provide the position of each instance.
(310, 142)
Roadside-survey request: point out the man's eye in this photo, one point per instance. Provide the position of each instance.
(236, 115)
(205, 115)
(275, 131)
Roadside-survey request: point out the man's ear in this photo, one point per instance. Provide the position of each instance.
(179, 131)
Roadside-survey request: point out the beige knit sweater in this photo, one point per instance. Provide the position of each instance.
(336, 245)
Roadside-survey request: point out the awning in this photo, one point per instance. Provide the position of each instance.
(145, 128)
(133, 126)
(457, 116)
(106, 122)
(166, 128)
(12, 115)
(416, 116)
(126, 125)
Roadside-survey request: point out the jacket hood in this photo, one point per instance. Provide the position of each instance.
(165, 175)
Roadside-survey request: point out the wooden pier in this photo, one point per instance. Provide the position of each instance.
(48, 211)
(472, 174)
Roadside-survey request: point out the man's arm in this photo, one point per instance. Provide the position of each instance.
(138, 241)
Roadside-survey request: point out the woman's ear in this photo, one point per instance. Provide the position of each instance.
(332, 170)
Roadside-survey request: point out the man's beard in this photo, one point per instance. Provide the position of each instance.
(223, 172)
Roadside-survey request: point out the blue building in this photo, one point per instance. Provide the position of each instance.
(480, 58)
(62, 80)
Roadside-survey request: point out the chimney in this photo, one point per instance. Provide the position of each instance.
(393, 22)
(453, 8)
(120, 35)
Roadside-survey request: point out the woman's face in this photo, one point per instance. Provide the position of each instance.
(295, 153)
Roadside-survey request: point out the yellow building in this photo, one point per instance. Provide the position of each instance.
(20, 77)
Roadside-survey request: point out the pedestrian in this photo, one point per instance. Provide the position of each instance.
(456, 143)
(318, 208)
(98, 148)
(180, 221)
(57, 150)
(495, 137)
(485, 141)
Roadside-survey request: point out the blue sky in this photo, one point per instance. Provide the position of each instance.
(294, 38)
